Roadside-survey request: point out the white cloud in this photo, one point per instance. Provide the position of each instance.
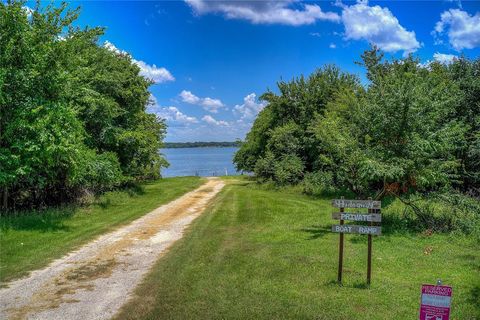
(210, 120)
(250, 107)
(189, 97)
(379, 26)
(463, 29)
(362, 22)
(29, 11)
(173, 114)
(210, 128)
(444, 58)
(439, 57)
(209, 104)
(212, 104)
(265, 12)
(170, 113)
(110, 46)
(156, 74)
(332, 46)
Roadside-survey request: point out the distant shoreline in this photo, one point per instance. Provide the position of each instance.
(198, 144)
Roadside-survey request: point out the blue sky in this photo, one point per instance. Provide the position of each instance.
(212, 59)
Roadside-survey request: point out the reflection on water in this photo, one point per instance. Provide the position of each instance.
(212, 161)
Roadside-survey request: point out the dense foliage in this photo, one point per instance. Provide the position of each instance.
(412, 129)
(72, 115)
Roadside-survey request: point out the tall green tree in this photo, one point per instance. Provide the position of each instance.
(72, 113)
(282, 128)
(410, 128)
(466, 75)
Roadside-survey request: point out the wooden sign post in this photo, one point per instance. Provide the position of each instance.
(340, 252)
(369, 255)
(372, 217)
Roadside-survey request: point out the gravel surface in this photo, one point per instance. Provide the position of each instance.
(94, 281)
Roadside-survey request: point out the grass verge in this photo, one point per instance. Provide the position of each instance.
(263, 254)
(31, 240)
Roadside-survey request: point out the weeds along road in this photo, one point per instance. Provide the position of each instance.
(96, 280)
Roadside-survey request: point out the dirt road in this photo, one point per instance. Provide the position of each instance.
(94, 281)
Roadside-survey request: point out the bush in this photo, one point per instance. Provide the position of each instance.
(317, 183)
(437, 212)
(289, 170)
(465, 211)
(265, 167)
(99, 173)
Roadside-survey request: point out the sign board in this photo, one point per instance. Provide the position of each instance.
(367, 204)
(373, 217)
(435, 302)
(350, 228)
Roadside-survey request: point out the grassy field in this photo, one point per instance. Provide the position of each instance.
(31, 241)
(263, 254)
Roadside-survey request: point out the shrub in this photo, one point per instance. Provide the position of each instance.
(99, 173)
(289, 170)
(265, 166)
(317, 183)
(440, 212)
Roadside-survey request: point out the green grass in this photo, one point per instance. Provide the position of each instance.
(263, 254)
(31, 240)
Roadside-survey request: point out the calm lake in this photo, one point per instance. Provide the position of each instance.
(212, 161)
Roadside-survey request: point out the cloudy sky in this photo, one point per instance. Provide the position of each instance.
(211, 60)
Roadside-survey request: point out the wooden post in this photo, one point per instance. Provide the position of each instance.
(369, 262)
(340, 252)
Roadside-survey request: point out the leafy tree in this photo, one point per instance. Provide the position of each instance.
(254, 146)
(412, 128)
(299, 101)
(72, 113)
(411, 134)
(466, 75)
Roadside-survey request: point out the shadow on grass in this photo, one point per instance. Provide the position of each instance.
(316, 231)
(135, 189)
(361, 285)
(43, 221)
(53, 219)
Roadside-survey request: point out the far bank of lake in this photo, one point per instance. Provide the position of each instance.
(205, 161)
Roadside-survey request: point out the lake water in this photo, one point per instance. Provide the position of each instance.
(212, 161)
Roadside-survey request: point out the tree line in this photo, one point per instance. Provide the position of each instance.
(200, 144)
(73, 114)
(413, 130)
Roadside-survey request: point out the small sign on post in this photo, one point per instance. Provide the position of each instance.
(351, 228)
(367, 204)
(372, 218)
(435, 302)
(357, 216)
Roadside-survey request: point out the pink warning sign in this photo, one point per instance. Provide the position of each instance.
(435, 303)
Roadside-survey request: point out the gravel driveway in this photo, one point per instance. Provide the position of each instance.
(94, 281)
